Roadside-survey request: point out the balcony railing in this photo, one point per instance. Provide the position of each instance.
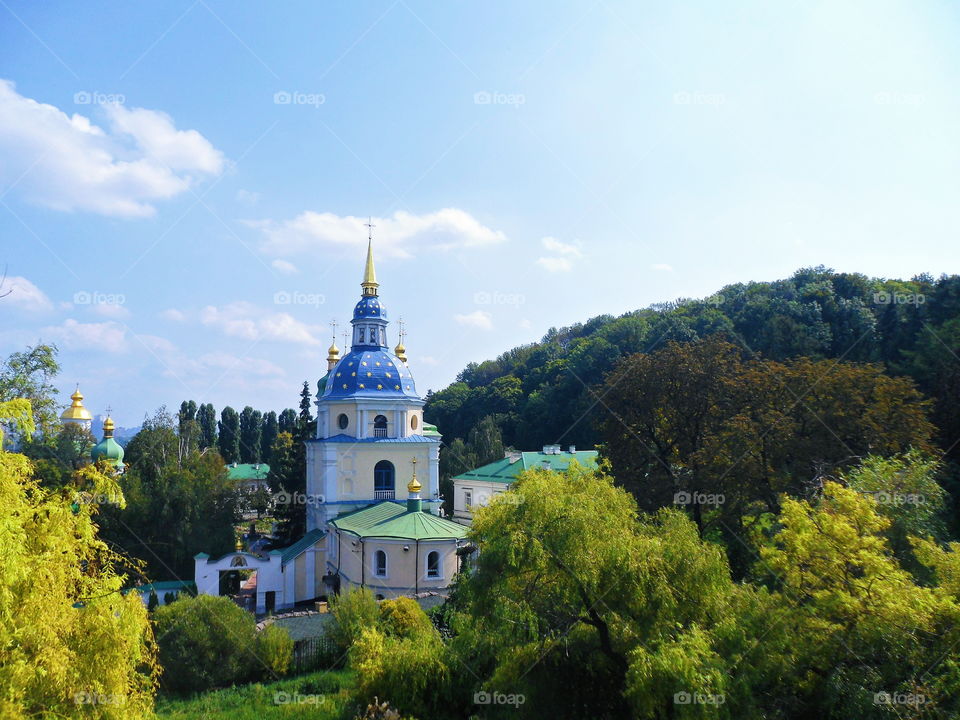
(384, 494)
(379, 432)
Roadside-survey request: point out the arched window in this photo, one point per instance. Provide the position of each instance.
(380, 563)
(380, 426)
(383, 480)
(343, 421)
(433, 564)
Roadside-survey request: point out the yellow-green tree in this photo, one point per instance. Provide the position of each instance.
(71, 643)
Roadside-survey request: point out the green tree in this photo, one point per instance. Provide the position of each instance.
(28, 375)
(287, 479)
(72, 642)
(287, 422)
(306, 426)
(207, 419)
(188, 429)
(268, 435)
(228, 429)
(251, 432)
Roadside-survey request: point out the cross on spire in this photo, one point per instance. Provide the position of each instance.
(370, 226)
(333, 324)
(109, 409)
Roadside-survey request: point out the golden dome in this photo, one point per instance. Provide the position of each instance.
(400, 351)
(108, 427)
(333, 352)
(414, 485)
(76, 411)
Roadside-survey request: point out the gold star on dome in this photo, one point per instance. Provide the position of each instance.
(344, 386)
(378, 364)
(363, 363)
(338, 374)
(369, 374)
(361, 386)
(389, 375)
(379, 387)
(353, 374)
(396, 387)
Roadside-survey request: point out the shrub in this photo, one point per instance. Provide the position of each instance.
(403, 617)
(204, 642)
(275, 650)
(352, 612)
(412, 672)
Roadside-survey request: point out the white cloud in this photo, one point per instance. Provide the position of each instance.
(156, 343)
(246, 320)
(110, 310)
(173, 315)
(554, 245)
(402, 235)
(662, 267)
(24, 294)
(285, 267)
(555, 264)
(478, 319)
(562, 260)
(68, 163)
(73, 335)
(248, 197)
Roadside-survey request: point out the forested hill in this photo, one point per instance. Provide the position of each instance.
(546, 392)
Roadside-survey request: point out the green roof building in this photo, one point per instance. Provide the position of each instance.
(476, 487)
(108, 449)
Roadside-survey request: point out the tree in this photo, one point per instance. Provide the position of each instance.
(251, 433)
(188, 429)
(306, 427)
(287, 422)
(288, 480)
(27, 375)
(485, 441)
(72, 641)
(268, 435)
(229, 435)
(207, 419)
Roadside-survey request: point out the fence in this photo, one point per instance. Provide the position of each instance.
(315, 653)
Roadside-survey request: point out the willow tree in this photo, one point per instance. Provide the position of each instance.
(71, 643)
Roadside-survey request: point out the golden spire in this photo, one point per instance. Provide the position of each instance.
(108, 425)
(414, 486)
(400, 351)
(76, 411)
(333, 352)
(369, 283)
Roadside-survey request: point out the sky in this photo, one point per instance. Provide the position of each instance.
(184, 184)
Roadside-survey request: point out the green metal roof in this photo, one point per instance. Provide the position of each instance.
(168, 586)
(248, 471)
(289, 553)
(430, 430)
(393, 520)
(506, 472)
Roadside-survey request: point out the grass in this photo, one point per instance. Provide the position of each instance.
(323, 695)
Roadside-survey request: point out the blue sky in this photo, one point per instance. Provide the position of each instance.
(183, 183)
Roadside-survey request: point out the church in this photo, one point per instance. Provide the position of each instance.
(370, 520)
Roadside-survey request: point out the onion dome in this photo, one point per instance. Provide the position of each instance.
(414, 503)
(400, 351)
(76, 412)
(333, 355)
(370, 373)
(108, 449)
(369, 307)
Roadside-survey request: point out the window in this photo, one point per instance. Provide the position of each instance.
(360, 336)
(414, 422)
(380, 563)
(433, 564)
(343, 421)
(380, 426)
(383, 480)
(467, 499)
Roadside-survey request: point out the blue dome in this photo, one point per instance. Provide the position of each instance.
(369, 307)
(370, 373)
